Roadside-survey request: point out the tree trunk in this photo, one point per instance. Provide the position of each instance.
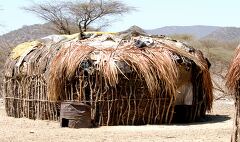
(80, 31)
(85, 27)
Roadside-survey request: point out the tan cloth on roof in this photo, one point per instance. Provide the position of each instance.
(22, 48)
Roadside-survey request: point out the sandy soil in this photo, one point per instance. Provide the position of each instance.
(217, 128)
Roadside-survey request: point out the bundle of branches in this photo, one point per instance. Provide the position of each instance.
(233, 83)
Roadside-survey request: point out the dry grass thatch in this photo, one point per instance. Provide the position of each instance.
(206, 80)
(124, 83)
(233, 83)
(233, 75)
(153, 64)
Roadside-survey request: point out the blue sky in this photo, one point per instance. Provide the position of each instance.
(150, 14)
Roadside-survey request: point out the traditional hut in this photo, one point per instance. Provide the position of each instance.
(109, 78)
(233, 83)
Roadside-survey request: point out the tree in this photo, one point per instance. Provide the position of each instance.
(88, 13)
(82, 13)
(54, 12)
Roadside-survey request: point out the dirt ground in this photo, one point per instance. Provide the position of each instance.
(217, 128)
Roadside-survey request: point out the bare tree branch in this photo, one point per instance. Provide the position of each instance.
(83, 13)
(54, 12)
(87, 13)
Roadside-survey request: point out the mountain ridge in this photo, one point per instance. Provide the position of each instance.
(36, 31)
(198, 31)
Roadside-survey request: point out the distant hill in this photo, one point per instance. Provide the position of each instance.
(26, 33)
(196, 31)
(36, 31)
(225, 34)
(133, 29)
(13, 38)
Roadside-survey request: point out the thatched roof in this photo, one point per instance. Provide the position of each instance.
(128, 78)
(153, 58)
(233, 75)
